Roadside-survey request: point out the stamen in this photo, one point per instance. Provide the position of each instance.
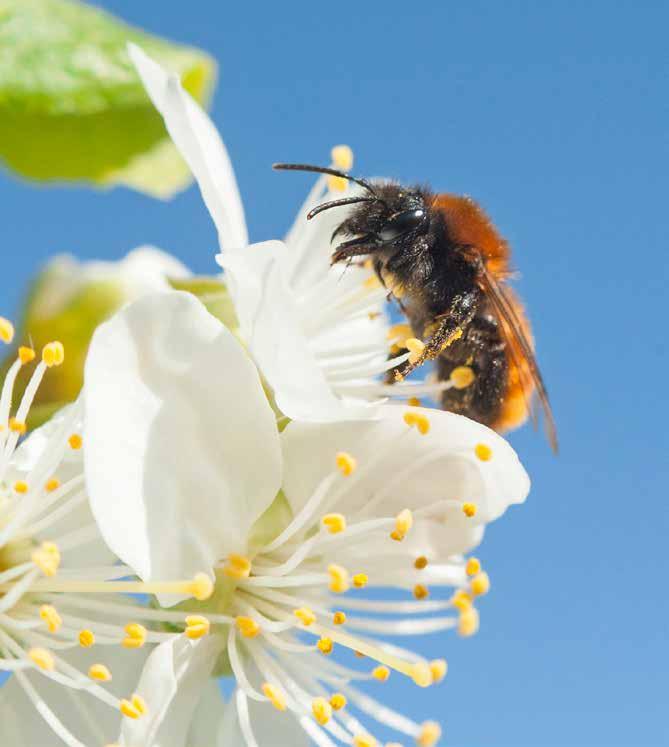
(26, 355)
(275, 696)
(381, 673)
(420, 562)
(139, 703)
(322, 710)
(43, 658)
(75, 441)
(47, 558)
(17, 426)
(419, 420)
(338, 701)
(415, 347)
(400, 333)
(334, 523)
(420, 591)
(360, 580)
(237, 566)
(325, 645)
(473, 566)
(462, 376)
(100, 673)
(339, 579)
(342, 157)
(86, 638)
(483, 452)
(50, 615)
(197, 626)
(339, 618)
(364, 740)
(129, 709)
(6, 330)
(438, 668)
(421, 674)
(469, 509)
(135, 636)
(247, 626)
(346, 463)
(305, 615)
(468, 624)
(430, 734)
(461, 600)
(52, 484)
(480, 584)
(20, 487)
(53, 354)
(403, 524)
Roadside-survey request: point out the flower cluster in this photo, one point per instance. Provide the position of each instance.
(220, 497)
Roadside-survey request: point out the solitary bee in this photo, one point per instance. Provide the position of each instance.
(444, 261)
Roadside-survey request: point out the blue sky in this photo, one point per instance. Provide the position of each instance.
(555, 116)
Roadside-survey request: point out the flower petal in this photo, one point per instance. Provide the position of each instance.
(187, 458)
(200, 145)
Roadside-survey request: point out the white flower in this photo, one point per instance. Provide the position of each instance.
(64, 630)
(318, 333)
(188, 473)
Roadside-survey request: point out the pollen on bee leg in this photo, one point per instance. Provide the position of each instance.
(469, 509)
(403, 524)
(430, 734)
(26, 355)
(438, 668)
(480, 584)
(6, 330)
(197, 626)
(483, 452)
(275, 696)
(462, 376)
(135, 636)
(305, 615)
(42, 658)
(345, 463)
(47, 558)
(237, 566)
(322, 710)
(415, 347)
(53, 354)
(247, 626)
(334, 523)
(100, 673)
(50, 615)
(339, 578)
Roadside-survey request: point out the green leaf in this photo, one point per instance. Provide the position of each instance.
(72, 106)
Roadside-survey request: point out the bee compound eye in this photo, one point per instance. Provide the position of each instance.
(402, 223)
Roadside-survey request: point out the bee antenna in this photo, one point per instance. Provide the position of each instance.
(324, 170)
(338, 203)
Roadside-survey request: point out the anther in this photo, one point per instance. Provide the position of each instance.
(469, 509)
(322, 710)
(339, 618)
(53, 354)
(135, 636)
(338, 701)
(42, 658)
(247, 626)
(399, 332)
(438, 668)
(325, 645)
(86, 638)
(483, 452)
(26, 355)
(6, 330)
(100, 673)
(275, 696)
(473, 566)
(334, 523)
(430, 734)
(381, 673)
(360, 580)
(237, 566)
(139, 703)
(403, 524)
(421, 591)
(50, 615)
(414, 402)
(461, 600)
(420, 562)
(47, 558)
(305, 615)
(20, 487)
(469, 622)
(342, 157)
(419, 420)
(480, 584)
(197, 626)
(339, 578)
(52, 484)
(364, 740)
(415, 347)
(202, 587)
(75, 441)
(128, 708)
(17, 426)
(421, 674)
(461, 377)
(346, 463)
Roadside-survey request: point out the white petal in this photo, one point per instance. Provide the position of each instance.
(207, 716)
(270, 325)
(200, 145)
(182, 453)
(175, 676)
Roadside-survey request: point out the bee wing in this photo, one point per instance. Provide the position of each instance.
(520, 350)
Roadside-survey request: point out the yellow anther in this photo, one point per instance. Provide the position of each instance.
(360, 655)
(247, 626)
(17, 426)
(364, 740)
(360, 580)
(438, 667)
(75, 441)
(462, 376)
(26, 355)
(6, 330)
(334, 523)
(305, 615)
(50, 615)
(338, 701)
(339, 618)
(420, 591)
(403, 524)
(52, 484)
(86, 638)
(399, 332)
(197, 626)
(414, 402)
(128, 709)
(47, 558)
(275, 696)
(483, 452)
(469, 622)
(339, 578)
(420, 562)
(139, 703)
(100, 673)
(346, 464)
(461, 600)
(237, 566)
(381, 673)
(480, 584)
(21, 487)
(469, 509)
(473, 566)
(201, 587)
(415, 347)
(43, 658)
(430, 734)
(53, 354)
(342, 157)
(325, 645)
(322, 710)
(419, 420)
(421, 674)
(135, 636)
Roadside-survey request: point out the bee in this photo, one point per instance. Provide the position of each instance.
(444, 262)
